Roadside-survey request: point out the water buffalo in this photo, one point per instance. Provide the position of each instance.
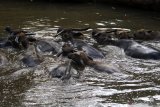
(70, 33)
(31, 57)
(119, 33)
(77, 63)
(47, 45)
(143, 34)
(90, 50)
(80, 58)
(131, 48)
(19, 38)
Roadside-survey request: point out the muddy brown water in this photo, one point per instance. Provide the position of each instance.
(137, 85)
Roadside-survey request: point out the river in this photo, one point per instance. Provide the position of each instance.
(139, 86)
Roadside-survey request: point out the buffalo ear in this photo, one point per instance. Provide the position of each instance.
(8, 29)
(149, 31)
(60, 29)
(31, 39)
(90, 58)
(94, 32)
(59, 53)
(59, 32)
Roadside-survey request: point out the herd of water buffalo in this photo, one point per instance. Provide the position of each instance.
(78, 53)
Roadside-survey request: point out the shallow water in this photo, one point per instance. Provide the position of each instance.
(138, 84)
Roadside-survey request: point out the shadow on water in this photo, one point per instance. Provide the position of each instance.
(136, 86)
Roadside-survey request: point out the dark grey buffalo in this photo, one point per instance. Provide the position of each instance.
(132, 48)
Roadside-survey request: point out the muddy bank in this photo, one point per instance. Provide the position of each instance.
(141, 4)
(145, 4)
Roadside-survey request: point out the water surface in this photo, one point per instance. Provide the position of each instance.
(137, 86)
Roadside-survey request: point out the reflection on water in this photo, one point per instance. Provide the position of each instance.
(35, 16)
(137, 86)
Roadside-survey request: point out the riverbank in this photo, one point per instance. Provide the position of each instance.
(141, 4)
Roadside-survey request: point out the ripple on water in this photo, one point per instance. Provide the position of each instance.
(137, 81)
(136, 85)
